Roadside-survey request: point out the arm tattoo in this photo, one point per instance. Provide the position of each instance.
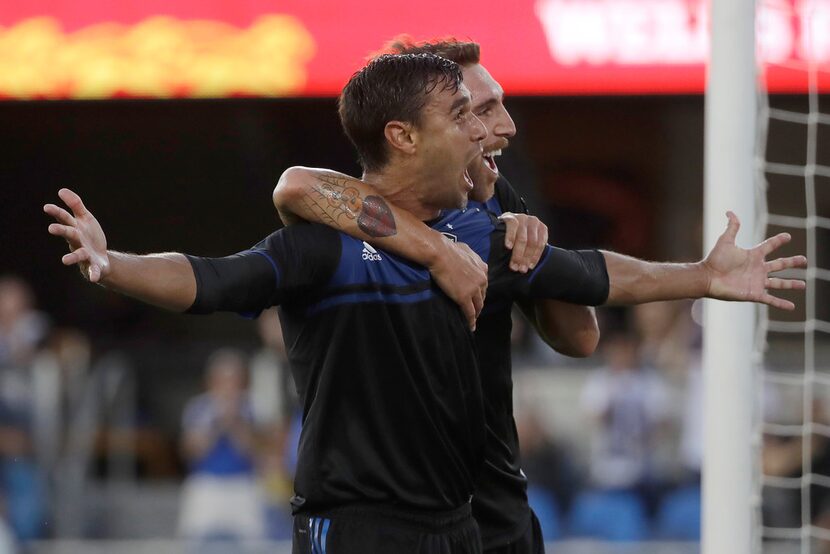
(376, 219)
(334, 197)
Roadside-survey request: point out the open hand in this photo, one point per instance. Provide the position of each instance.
(738, 274)
(86, 240)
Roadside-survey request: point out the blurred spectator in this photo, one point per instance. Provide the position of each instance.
(547, 463)
(679, 516)
(671, 341)
(221, 499)
(691, 438)
(552, 476)
(58, 376)
(628, 404)
(22, 328)
(7, 543)
(21, 485)
(274, 403)
(666, 330)
(273, 395)
(782, 456)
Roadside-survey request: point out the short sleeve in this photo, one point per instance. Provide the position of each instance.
(575, 276)
(287, 265)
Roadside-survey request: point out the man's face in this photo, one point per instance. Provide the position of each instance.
(450, 138)
(488, 106)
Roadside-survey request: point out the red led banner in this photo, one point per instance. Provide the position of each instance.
(199, 48)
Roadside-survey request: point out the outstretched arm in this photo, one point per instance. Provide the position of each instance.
(727, 273)
(164, 280)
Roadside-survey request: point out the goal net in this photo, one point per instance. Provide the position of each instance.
(791, 432)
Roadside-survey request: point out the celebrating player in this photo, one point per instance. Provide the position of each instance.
(500, 503)
(393, 417)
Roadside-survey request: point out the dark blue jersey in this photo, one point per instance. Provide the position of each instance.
(500, 503)
(384, 365)
(383, 361)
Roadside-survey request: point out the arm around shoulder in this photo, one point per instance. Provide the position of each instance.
(288, 196)
(356, 208)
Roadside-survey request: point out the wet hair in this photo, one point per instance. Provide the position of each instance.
(391, 88)
(461, 52)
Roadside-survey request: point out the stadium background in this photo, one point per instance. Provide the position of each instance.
(609, 153)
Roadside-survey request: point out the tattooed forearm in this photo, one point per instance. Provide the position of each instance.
(335, 197)
(314, 208)
(376, 219)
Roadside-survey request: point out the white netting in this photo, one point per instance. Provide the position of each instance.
(793, 166)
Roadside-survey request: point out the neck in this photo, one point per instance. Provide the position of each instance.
(483, 193)
(402, 187)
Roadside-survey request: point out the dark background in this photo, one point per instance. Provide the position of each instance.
(196, 176)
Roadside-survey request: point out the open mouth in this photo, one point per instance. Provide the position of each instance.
(468, 180)
(489, 160)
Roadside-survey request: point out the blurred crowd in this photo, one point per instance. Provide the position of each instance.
(636, 474)
(628, 471)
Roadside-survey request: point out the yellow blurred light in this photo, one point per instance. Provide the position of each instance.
(158, 57)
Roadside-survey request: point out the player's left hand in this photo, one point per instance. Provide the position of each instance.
(83, 234)
(527, 236)
(743, 275)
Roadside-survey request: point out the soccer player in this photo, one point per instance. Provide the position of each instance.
(393, 417)
(500, 502)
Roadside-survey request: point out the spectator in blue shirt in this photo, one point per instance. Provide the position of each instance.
(221, 498)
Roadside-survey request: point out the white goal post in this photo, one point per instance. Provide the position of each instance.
(730, 122)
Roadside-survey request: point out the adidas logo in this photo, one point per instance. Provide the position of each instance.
(370, 254)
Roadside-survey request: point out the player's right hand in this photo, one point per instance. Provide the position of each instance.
(86, 240)
(527, 237)
(462, 275)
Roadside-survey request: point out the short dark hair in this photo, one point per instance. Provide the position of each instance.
(391, 88)
(461, 52)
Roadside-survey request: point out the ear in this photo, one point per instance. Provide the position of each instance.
(400, 136)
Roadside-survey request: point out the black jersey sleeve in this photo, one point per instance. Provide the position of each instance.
(508, 198)
(287, 265)
(575, 276)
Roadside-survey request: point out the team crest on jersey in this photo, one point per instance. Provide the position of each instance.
(450, 236)
(370, 254)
